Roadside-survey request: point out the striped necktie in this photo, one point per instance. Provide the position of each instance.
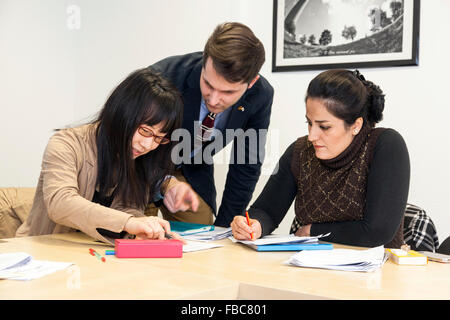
(207, 127)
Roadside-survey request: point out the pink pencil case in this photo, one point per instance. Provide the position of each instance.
(130, 248)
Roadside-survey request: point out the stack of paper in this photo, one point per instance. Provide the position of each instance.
(21, 266)
(341, 259)
(217, 234)
(286, 243)
(192, 246)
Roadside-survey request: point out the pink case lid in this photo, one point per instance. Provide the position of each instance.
(130, 248)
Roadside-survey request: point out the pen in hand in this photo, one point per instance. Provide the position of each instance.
(248, 222)
(168, 236)
(174, 236)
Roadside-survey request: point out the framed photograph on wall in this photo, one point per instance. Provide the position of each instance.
(327, 34)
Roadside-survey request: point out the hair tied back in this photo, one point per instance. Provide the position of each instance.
(375, 99)
(358, 75)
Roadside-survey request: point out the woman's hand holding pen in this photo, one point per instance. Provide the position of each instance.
(180, 196)
(243, 231)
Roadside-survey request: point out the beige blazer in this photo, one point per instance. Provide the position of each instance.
(66, 186)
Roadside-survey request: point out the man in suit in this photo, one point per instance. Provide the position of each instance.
(222, 83)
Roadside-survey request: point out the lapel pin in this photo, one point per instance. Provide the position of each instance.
(241, 108)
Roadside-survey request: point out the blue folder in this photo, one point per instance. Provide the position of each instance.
(185, 228)
(292, 246)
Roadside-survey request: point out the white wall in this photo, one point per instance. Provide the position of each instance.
(52, 75)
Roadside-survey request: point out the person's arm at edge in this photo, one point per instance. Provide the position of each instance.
(276, 198)
(242, 178)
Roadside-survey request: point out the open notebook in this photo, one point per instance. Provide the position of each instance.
(286, 243)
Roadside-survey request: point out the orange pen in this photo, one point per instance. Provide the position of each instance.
(248, 222)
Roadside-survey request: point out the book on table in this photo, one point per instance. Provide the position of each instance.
(361, 260)
(186, 228)
(286, 243)
(407, 257)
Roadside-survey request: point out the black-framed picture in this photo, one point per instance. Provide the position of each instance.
(327, 34)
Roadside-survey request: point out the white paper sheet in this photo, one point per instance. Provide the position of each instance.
(22, 266)
(217, 234)
(13, 259)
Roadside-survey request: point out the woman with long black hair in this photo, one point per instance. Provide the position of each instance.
(99, 178)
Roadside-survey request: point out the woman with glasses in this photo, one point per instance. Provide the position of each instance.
(347, 177)
(99, 178)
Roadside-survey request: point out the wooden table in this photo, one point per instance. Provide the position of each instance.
(230, 272)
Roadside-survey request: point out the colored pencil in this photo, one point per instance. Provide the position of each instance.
(248, 222)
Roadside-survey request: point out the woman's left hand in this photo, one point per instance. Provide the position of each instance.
(242, 231)
(304, 231)
(180, 197)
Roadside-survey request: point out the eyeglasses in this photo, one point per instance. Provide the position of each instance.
(145, 132)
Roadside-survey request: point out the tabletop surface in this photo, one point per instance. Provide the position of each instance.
(233, 271)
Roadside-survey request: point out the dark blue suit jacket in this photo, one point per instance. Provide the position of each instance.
(252, 111)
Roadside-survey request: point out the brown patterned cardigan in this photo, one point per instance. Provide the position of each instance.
(359, 196)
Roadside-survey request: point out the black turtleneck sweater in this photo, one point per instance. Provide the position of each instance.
(386, 197)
